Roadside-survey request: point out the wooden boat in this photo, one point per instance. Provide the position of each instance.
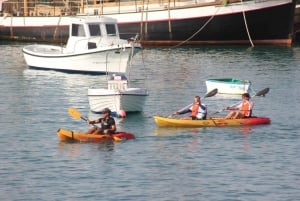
(94, 46)
(118, 96)
(228, 85)
(68, 135)
(164, 22)
(210, 122)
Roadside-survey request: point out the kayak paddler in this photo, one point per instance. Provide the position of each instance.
(108, 124)
(245, 108)
(197, 110)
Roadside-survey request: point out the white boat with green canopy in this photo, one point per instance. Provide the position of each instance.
(228, 85)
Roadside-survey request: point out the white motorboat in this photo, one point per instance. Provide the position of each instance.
(94, 46)
(118, 96)
(228, 85)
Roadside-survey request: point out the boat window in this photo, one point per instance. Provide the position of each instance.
(77, 30)
(111, 29)
(94, 29)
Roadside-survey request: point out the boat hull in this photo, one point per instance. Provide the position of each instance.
(234, 23)
(129, 100)
(228, 85)
(297, 23)
(210, 122)
(90, 61)
(68, 135)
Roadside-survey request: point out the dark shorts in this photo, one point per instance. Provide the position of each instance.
(108, 132)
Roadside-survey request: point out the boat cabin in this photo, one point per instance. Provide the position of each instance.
(87, 33)
(117, 81)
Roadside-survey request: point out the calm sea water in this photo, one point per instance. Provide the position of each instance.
(233, 163)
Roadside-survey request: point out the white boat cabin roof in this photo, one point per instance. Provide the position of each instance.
(92, 33)
(96, 26)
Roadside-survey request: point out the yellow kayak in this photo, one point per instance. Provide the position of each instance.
(210, 122)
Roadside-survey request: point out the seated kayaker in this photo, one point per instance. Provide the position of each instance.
(245, 108)
(197, 110)
(108, 124)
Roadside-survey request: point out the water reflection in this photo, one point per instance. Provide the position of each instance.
(174, 131)
(194, 134)
(245, 131)
(197, 135)
(75, 86)
(76, 149)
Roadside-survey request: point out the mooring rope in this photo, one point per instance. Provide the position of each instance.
(246, 25)
(201, 28)
(245, 21)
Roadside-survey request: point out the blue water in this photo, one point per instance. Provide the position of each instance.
(233, 163)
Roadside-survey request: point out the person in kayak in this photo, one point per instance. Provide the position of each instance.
(245, 108)
(197, 110)
(108, 124)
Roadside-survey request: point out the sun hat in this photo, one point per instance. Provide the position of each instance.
(106, 110)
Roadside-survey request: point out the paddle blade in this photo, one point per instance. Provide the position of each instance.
(74, 113)
(211, 93)
(117, 139)
(262, 92)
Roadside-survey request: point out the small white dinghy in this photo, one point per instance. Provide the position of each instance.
(228, 85)
(94, 46)
(118, 96)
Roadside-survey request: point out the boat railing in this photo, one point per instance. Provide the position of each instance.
(92, 7)
(117, 84)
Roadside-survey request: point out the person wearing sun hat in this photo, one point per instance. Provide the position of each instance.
(108, 124)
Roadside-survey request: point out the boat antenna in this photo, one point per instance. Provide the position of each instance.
(87, 6)
(106, 59)
(130, 61)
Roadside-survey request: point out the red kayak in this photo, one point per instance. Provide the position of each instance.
(68, 135)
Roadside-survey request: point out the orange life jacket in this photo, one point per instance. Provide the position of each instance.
(246, 108)
(195, 109)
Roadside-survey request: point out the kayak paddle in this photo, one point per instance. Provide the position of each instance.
(211, 93)
(263, 92)
(260, 93)
(76, 114)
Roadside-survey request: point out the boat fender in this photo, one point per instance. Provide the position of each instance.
(121, 114)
